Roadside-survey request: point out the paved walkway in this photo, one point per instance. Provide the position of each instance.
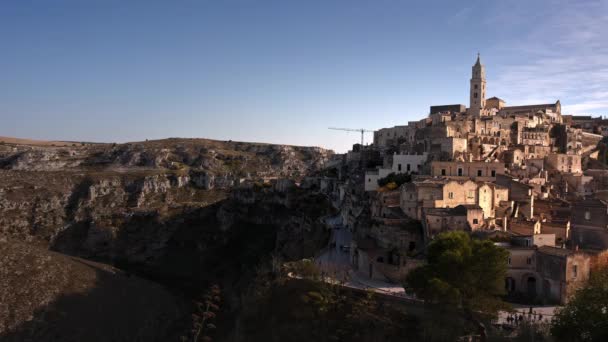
(334, 263)
(539, 313)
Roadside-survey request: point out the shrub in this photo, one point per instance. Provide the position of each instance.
(392, 186)
(397, 178)
(305, 268)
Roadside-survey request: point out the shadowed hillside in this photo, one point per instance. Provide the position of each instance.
(45, 296)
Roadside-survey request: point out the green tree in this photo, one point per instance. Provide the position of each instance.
(462, 273)
(559, 132)
(585, 317)
(397, 178)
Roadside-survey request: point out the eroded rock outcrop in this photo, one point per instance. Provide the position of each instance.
(175, 211)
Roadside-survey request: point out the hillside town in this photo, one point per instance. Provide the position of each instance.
(527, 177)
(519, 194)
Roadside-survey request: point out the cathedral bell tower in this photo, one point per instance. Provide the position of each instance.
(477, 96)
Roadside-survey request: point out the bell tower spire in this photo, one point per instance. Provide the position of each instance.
(477, 95)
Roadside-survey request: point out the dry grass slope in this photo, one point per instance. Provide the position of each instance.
(52, 297)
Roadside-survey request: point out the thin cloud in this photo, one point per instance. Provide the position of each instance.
(566, 58)
(460, 15)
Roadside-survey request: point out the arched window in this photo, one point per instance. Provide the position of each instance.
(510, 284)
(475, 95)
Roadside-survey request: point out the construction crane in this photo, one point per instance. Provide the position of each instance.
(361, 130)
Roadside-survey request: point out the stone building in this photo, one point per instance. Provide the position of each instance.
(495, 102)
(537, 151)
(574, 140)
(524, 227)
(589, 224)
(453, 146)
(513, 157)
(586, 122)
(554, 215)
(562, 272)
(477, 91)
(570, 163)
(482, 171)
(521, 272)
(463, 217)
(553, 109)
(534, 166)
(393, 136)
(539, 271)
(455, 108)
(401, 163)
(408, 163)
(493, 166)
(449, 193)
(536, 136)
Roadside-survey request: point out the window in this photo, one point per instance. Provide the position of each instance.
(479, 173)
(460, 171)
(399, 167)
(475, 95)
(587, 215)
(451, 195)
(471, 194)
(574, 271)
(369, 180)
(408, 167)
(475, 86)
(529, 261)
(493, 173)
(509, 261)
(475, 221)
(443, 172)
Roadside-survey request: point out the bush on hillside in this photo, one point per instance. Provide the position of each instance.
(397, 178)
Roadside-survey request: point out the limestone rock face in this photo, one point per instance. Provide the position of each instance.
(123, 203)
(218, 158)
(46, 296)
(166, 210)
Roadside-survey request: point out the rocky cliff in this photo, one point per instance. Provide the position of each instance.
(237, 159)
(181, 212)
(91, 190)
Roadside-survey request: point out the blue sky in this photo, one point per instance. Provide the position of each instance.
(283, 71)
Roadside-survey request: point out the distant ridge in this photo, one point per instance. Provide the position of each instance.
(32, 142)
(204, 141)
